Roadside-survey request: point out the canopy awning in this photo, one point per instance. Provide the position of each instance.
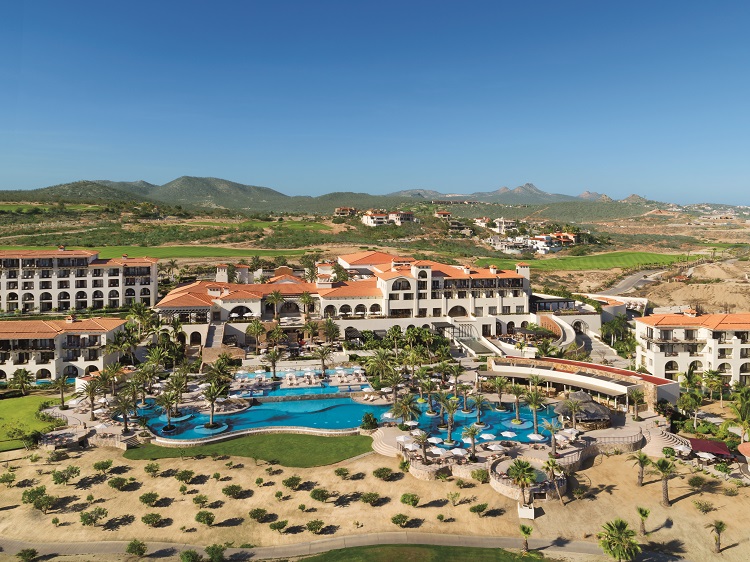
(718, 448)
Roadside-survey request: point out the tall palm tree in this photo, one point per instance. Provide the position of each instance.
(472, 432)
(272, 359)
(463, 390)
(690, 402)
(167, 401)
(690, 379)
(636, 399)
(665, 469)
(641, 460)
(574, 407)
(275, 298)
(740, 411)
(517, 391)
(643, 514)
(323, 354)
(526, 531)
(499, 384)
(482, 405)
(406, 408)
(523, 475)
(124, 404)
(331, 330)
(275, 335)
(90, 390)
(713, 381)
(618, 540)
(552, 426)
(553, 468)
(111, 373)
(536, 381)
(451, 407)
(311, 328)
(393, 379)
(211, 394)
(717, 528)
(421, 439)
(139, 314)
(442, 398)
(172, 267)
(381, 364)
(429, 387)
(306, 300)
(60, 384)
(23, 380)
(534, 400)
(177, 383)
(255, 330)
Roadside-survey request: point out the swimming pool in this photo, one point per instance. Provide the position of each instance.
(324, 388)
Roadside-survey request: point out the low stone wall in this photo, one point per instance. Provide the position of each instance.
(164, 442)
(603, 445)
(464, 470)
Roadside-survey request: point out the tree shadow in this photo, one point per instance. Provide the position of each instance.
(115, 523)
(668, 524)
(601, 489)
(132, 486)
(382, 501)
(26, 483)
(163, 502)
(295, 530)
(395, 477)
(215, 504)
(163, 553)
(496, 512)
(345, 500)
(245, 494)
(121, 469)
(329, 529)
(414, 523)
(654, 551)
(199, 479)
(357, 476)
(269, 518)
(307, 486)
(435, 503)
(65, 503)
(231, 522)
(87, 482)
(238, 465)
(169, 473)
(559, 542)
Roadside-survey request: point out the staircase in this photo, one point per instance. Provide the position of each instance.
(381, 447)
(661, 439)
(215, 335)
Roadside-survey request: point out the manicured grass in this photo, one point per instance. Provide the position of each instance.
(21, 410)
(288, 449)
(420, 553)
(71, 207)
(167, 252)
(601, 261)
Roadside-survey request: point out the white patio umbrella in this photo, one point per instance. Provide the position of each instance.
(466, 440)
(412, 447)
(683, 449)
(411, 423)
(508, 434)
(75, 401)
(234, 315)
(536, 437)
(221, 399)
(260, 371)
(386, 389)
(436, 450)
(404, 439)
(102, 400)
(496, 447)
(459, 452)
(387, 415)
(435, 440)
(417, 432)
(488, 436)
(707, 456)
(100, 411)
(560, 437)
(248, 314)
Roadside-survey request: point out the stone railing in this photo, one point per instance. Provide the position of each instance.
(166, 442)
(600, 445)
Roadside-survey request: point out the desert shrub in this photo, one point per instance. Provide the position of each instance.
(152, 469)
(118, 483)
(461, 483)
(91, 518)
(400, 519)
(190, 556)
(279, 526)
(481, 475)
(152, 519)
(233, 491)
(383, 473)
(410, 499)
(696, 482)
(441, 517)
(7, 478)
(668, 452)
(320, 494)
(184, 476)
(27, 554)
(315, 526)
(292, 482)
(731, 491)
(205, 517)
(259, 482)
(703, 506)
(103, 466)
(65, 475)
(479, 508)
(403, 466)
(149, 498)
(215, 552)
(258, 514)
(342, 472)
(370, 498)
(454, 498)
(302, 507)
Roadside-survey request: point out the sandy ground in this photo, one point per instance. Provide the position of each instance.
(610, 482)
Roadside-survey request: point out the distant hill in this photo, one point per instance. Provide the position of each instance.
(217, 193)
(526, 194)
(76, 192)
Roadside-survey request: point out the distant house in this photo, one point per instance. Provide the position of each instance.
(502, 225)
(400, 217)
(443, 215)
(483, 222)
(375, 218)
(345, 212)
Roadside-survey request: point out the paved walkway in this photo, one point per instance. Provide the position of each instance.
(166, 550)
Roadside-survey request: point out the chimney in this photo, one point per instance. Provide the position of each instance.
(493, 269)
(61, 248)
(70, 319)
(466, 269)
(124, 256)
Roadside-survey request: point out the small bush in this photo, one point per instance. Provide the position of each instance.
(205, 517)
(454, 498)
(668, 452)
(579, 493)
(403, 466)
(183, 489)
(190, 556)
(696, 482)
(383, 473)
(400, 519)
(315, 526)
(703, 506)
(184, 476)
(149, 498)
(258, 514)
(343, 473)
(441, 517)
(27, 554)
(731, 491)
(279, 526)
(7, 478)
(55, 521)
(479, 509)
(461, 483)
(292, 482)
(118, 483)
(103, 466)
(152, 519)
(410, 499)
(481, 475)
(320, 494)
(152, 469)
(91, 518)
(215, 552)
(369, 421)
(136, 548)
(369, 498)
(233, 491)
(259, 482)
(302, 507)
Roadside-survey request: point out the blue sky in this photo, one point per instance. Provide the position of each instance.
(309, 97)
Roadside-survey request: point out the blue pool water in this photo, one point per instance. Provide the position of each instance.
(69, 380)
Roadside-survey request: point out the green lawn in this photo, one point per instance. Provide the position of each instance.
(290, 225)
(421, 553)
(601, 261)
(14, 411)
(288, 449)
(72, 207)
(167, 252)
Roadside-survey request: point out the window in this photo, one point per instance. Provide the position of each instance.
(479, 311)
(28, 285)
(81, 272)
(114, 271)
(96, 273)
(492, 310)
(408, 296)
(519, 309)
(114, 283)
(80, 284)
(436, 312)
(63, 273)
(462, 294)
(97, 283)
(45, 284)
(506, 310)
(11, 285)
(63, 284)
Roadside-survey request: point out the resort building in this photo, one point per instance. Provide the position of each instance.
(669, 344)
(375, 218)
(502, 225)
(387, 290)
(50, 349)
(59, 280)
(443, 215)
(400, 217)
(345, 212)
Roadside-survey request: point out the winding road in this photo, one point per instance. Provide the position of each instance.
(634, 281)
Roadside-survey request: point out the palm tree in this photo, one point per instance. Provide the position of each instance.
(275, 298)
(482, 405)
(211, 394)
(442, 398)
(22, 380)
(393, 379)
(534, 400)
(552, 426)
(125, 404)
(636, 398)
(640, 460)
(713, 380)
(717, 528)
(526, 531)
(553, 468)
(690, 379)
(406, 408)
(331, 330)
(690, 402)
(167, 401)
(464, 389)
(219, 371)
(517, 391)
(472, 432)
(421, 439)
(536, 381)
(451, 407)
(306, 300)
(177, 383)
(112, 374)
(255, 330)
(740, 409)
(523, 475)
(665, 469)
(323, 354)
(139, 314)
(311, 327)
(574, 407)
(60, 384)
(499, 384)
(275, 335)
(618, 540)
(643, 514)
(381, 364)
(90, 390)
(171, 267)
(429, 387)
(272, 359)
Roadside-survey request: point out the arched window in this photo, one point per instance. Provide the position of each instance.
(81, 295)
(64, 296)
(129, 292)
(422, 274)
(375, 309)
(724, 368)
(195, 338)
(671, 366)
(345, 309)
(70, 371)
(3, 376)
(27, 297)
(12, 297)
(98, 295)
(114, 294)
(330, 310)
(360, 310)
(745, 368)
(457, 311)
(43, 374)
(510, 328)
(145, 292)
(696, 366)
(45, 297)
(401, 285)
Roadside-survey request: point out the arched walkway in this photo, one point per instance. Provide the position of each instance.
(70, 371)
(195, 338)
(457, 311)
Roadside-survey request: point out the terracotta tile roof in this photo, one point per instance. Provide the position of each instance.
(728, 322)
(363, 288)
(126, 261)
(26, 329)
(393, 274)
(371, 258)
(51, 253)
(286, 279)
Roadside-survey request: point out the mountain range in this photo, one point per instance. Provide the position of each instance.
(216, 193)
